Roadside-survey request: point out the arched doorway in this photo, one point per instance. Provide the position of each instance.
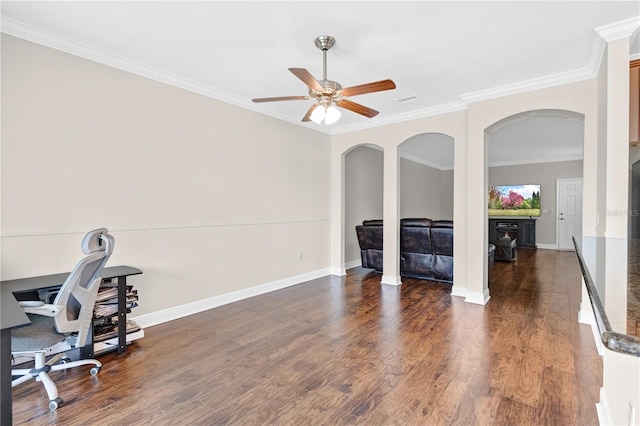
(363, 195)
(541, 148)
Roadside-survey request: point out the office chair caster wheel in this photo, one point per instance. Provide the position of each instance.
(94, 371)
(55, 403)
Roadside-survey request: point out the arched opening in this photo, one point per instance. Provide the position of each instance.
(534, 151)
(363, 195)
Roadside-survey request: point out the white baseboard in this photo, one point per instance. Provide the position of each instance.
(477, 298)
(458, 291)
(170, 314)
(547, 246)
(602, 408)
(353, 264)
(391, 280)
(339, 271)
(586, 316)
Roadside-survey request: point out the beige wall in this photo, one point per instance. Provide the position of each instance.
(363, 194)
(206, 198)
(425, 191)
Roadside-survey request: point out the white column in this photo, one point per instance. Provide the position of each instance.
(620, 394)
(460, 210)
(337, 212)
(617, 187)
(477, 222)
(391, 213)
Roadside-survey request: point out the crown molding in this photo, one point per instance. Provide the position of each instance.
(55, 41)
(536, 161)
(399, 118)
(423, 161)
(619, 30)
(530, 85)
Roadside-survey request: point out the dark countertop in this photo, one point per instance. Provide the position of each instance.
(611, 270)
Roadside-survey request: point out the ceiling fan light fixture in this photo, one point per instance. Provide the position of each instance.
(332, 115)
(318, 114)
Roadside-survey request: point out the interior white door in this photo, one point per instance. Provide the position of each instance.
(569, 209)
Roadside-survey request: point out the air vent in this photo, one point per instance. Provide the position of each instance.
(407, 99)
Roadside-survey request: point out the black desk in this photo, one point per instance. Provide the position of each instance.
(12, 316)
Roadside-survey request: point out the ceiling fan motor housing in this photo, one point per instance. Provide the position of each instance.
(330, 88)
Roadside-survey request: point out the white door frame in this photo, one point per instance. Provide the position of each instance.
(557, 212)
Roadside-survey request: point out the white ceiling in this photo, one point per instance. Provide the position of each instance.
(441, 52)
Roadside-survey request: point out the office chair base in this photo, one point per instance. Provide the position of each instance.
(43, 367)
(53, 405)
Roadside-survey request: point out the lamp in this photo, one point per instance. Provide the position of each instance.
(330, 114)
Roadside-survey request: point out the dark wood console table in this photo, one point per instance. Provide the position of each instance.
(521, 229)
(12, 316)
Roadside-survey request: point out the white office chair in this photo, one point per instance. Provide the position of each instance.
(63, 325)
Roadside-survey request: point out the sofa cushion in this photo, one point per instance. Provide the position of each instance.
(442, 241)
(420, 265)
(374, 259)
(415, 240)
(443, 268)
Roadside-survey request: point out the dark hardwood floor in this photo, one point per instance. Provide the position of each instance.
(346, 350)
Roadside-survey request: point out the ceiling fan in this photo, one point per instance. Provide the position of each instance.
(328, 93)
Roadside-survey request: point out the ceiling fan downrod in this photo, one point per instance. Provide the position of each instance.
(324, 43)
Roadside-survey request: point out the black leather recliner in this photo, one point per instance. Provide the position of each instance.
(370, 240)
(426, 248)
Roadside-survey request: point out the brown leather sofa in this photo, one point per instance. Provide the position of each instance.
(426, 248)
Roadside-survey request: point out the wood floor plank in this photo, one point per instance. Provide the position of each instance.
(348, 350)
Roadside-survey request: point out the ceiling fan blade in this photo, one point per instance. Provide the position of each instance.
(281, 98)
(307, 78)
(357, 108)
(307, 116)
(377, 86)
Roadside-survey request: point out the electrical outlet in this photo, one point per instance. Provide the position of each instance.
(299, 256)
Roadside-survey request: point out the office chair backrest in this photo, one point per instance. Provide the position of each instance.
(79, 291)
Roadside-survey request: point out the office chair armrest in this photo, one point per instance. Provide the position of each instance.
(40, 308)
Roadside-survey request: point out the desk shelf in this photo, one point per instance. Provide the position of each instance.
(111, 344)
(106, 313)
